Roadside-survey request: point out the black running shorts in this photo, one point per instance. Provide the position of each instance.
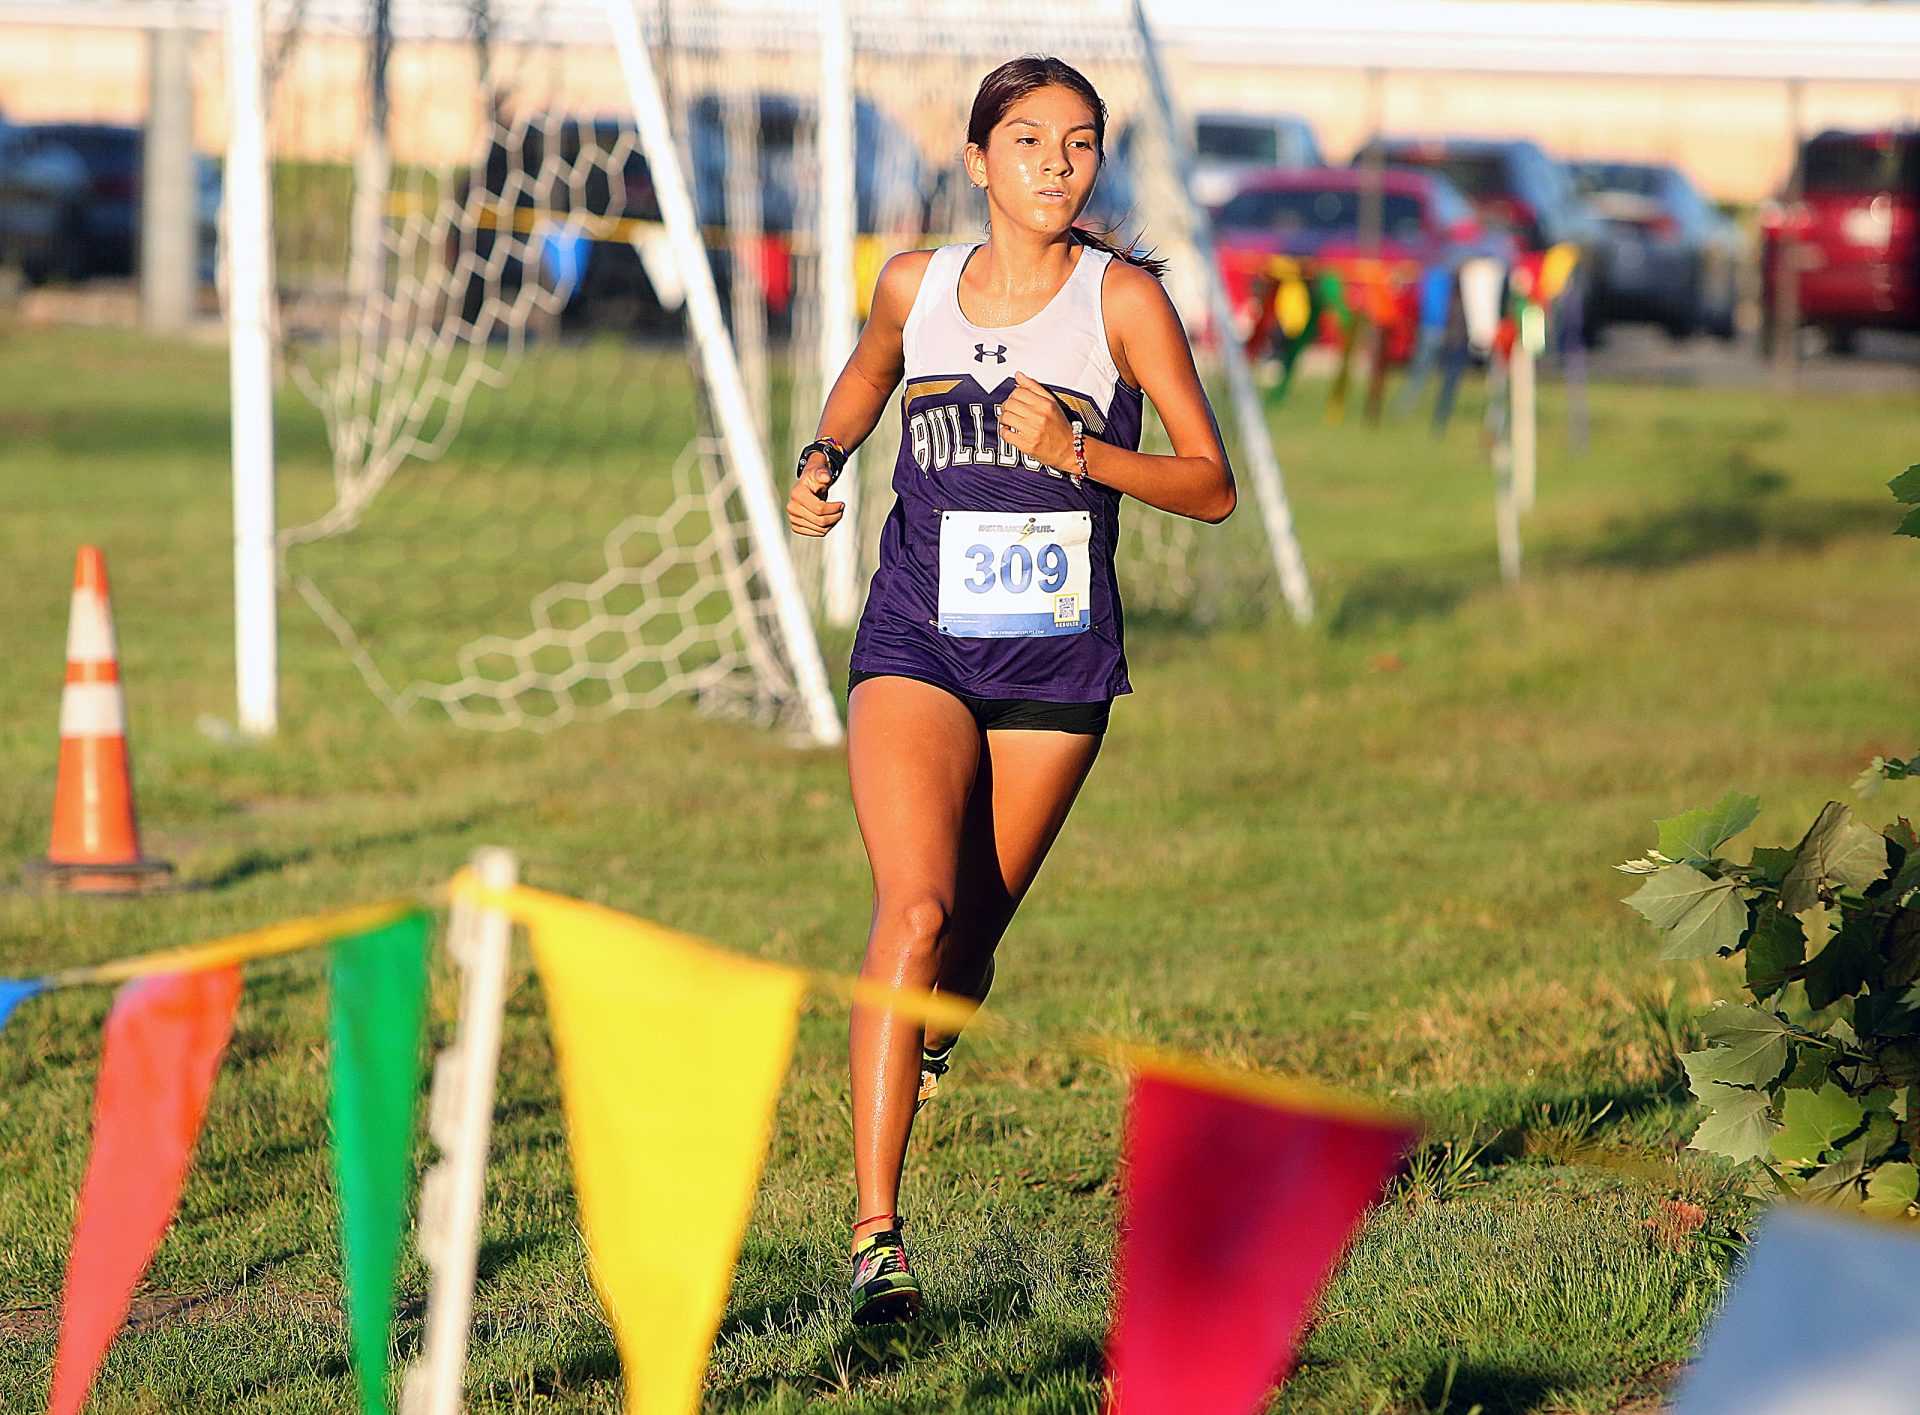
(1016, 714)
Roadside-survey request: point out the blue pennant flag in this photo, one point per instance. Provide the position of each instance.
(14, 991)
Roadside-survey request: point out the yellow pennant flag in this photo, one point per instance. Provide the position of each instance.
(671, 1059)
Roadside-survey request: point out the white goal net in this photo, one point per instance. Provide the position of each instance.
(546, 487)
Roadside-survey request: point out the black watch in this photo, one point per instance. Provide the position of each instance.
(835, 454)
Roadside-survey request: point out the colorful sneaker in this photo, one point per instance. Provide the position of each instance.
(884, 1288)
(933, 1065)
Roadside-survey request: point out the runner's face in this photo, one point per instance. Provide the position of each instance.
(1040, 161)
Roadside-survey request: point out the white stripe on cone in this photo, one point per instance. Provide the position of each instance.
(93, 710)
(90, 629)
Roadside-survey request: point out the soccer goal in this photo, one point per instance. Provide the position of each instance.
(563, 281)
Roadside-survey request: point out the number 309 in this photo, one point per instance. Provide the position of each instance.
(1016, 567)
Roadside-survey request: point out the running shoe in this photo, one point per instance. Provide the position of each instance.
(884, 1288)
(933, 1065)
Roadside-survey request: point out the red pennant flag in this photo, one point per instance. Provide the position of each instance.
(1239, 1197)
(164, 1040)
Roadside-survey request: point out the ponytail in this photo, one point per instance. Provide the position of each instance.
(1148, 261)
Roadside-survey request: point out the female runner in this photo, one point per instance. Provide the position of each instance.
(990, 650)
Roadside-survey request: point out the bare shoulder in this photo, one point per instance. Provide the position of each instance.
(1131, 291)
(899, 283)
(1142, 324)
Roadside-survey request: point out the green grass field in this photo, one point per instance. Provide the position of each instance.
(1375, 853)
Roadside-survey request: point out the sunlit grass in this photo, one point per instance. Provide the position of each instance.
(1375, 852)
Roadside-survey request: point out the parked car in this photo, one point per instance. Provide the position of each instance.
(1515, 187)
(1856, 227)
(1673, 257)
(1317, 215)
(43, 198)
(1228, 146)
(110, 225)
(613, 182)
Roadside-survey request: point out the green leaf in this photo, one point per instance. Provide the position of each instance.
(1737, 1125)
(1881, 1133)
(1813, 1122)
(1909, 524)
(1791, 1003)
(1839, 969)
(1906, 486)
(1899, 1062)
(1887, 1012)
(1902, 949)
(1698, 834)
(1704, 915)
(1891, 1190)
(1771, 863)
(1907, 880)
(1836, 1183)
(1750, 1049)
(1776, 945)
(1837, 850)
(1809, 1071)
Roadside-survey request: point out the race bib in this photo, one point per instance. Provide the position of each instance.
(1014, 574)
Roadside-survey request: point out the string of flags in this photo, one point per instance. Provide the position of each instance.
(1432, 318)
(670, 1046)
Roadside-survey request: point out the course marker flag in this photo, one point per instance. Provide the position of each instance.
(671, 1059)
(164, 1040)
(1823, 1319)
(378, 985)
(1239, 1195)
(13, 992)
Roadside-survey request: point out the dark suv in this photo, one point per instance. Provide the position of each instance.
(1855, 227)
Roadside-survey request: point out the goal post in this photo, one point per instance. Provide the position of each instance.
(562, 281)
(721, 374)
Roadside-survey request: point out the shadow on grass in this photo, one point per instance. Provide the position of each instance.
(1745, 506)
(264, 860)
(1705, 527)
(1401, 595)
(1074, 1355)
(1495, 1387)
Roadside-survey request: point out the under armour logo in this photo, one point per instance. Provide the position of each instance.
(981, 353)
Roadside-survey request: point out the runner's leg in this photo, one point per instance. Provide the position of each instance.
(913, 752)
(1026, 784)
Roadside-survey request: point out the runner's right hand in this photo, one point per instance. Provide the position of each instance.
(809, 512)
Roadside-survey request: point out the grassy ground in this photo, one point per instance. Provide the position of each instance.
(1375, 852)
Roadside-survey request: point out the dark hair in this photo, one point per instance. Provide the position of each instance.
(1013, 81)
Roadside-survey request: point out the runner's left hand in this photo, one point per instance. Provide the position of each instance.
(1031, 420)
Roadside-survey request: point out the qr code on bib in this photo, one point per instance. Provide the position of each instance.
(1066, 609)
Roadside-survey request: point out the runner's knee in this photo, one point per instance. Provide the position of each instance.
(914, 924)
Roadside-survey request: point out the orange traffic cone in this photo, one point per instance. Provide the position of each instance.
(96, 842)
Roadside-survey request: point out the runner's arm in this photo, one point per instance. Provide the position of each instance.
(861, 391)
(1150, 350)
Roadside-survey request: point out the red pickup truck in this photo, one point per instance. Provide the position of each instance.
(1852, 219)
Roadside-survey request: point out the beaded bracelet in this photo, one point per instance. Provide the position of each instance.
(1078, 472)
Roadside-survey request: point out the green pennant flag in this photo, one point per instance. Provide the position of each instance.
(379, 982)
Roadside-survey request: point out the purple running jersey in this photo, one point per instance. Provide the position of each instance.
(996, 574)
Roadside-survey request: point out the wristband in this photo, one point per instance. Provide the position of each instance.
(830, 448)
(1078, 472)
